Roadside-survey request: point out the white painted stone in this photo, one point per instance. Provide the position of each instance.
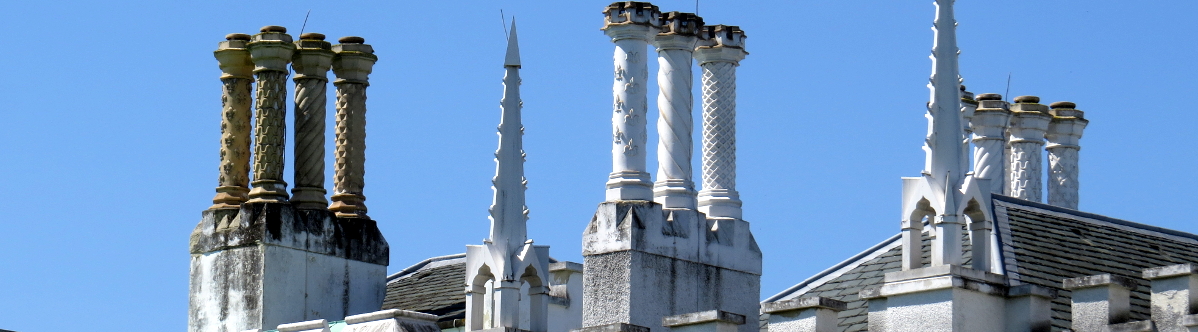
(1099, 301)
(1174, 295)
(1025, 146)
(721, 48)
(1029, 308)
(675, 124)
(565, 282)
(1063, 135)
(630, 30)
(989, 124)
(318, 325)
(391, 321)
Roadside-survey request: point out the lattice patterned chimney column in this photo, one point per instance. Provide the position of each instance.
(1025, 144)
(989, 124)
(720, 51)
(675, 44)
(630, 25)
(1064, 134)
(271, 51)
(237, 76)
(352, 64)
(311, 62)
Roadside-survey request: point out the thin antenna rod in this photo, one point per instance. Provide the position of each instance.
(305, 21)
(1008, 93)
(696, 7)
(503, 22)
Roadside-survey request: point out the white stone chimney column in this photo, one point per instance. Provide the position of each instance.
(311, 62)
(630, 25)
(1025, 145)
(352, 64)
(1064, 134)
(720, 50)
(675, 44)
(989, 124)
(271, 51)
(237, 77)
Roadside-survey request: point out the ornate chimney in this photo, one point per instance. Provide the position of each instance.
(312, 60)
(353, 63)
(1026, 141)
(1064, 132)
(989, 124)
(236, 79)
(630, 25)
(675, 44)
(719, 53)
(271, 51)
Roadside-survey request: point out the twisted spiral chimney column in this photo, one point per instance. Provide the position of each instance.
(312, 60)
(720, 50)
(1064, 134)
(352, 65)
(1025, 144)
(271, 51)
(237, 76)
(675, 44)
(630, 25)
(989, 124)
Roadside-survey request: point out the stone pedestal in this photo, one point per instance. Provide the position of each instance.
(643, 263)
(269, 264)
(943, 298)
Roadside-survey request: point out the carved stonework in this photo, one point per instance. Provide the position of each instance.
(353, 63)
(235, 143)
(270, 51)
(629, 179)
(675, 124)
(312, 61)
(1062, 177)
(1025, 171)
(720, 50)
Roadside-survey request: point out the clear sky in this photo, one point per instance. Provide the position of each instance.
(111, 126)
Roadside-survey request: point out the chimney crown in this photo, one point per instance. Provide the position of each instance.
(237, 36)
(312, 36)
(722, 36)
(1063, 104)
(351, 40)
(989, 96)
(678, 23)
(273, 28)
(1027, 100)
(632, 12)
(354, 60)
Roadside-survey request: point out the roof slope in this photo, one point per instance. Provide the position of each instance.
(1041, 245)
(433, 286)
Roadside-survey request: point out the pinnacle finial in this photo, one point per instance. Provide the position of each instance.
(513, 48)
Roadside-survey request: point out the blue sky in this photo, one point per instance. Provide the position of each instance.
(111, 126)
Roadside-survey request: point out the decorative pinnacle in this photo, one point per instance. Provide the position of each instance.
(678, 23)
(513, 49)
(631, 12)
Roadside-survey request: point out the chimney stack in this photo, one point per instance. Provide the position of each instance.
(237, 77)
(1064, 132)
(353, 62)
(989, 125)
(675, 44)
(312, 60)
(1025, 143)
(271, 51)
(630, 25)
(720, 50)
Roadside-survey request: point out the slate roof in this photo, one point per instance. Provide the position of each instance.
(434, 286)
(1041, 245)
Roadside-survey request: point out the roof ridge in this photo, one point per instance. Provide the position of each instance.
(421, 264)
(1095, 217)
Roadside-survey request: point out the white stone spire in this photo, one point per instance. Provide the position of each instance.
(944, 195)
(509, 215)
(508, 261)
(630, 25)
(675, 124)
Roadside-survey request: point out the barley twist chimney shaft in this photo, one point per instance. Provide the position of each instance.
(989, 125)
(1064, 134)
(720, 50)
(271, 51)
(352, 65)
(236, 79)
(630, 25)
(312, 60)
(675, 124)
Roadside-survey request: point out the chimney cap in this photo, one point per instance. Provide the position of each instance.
(962, 87)
(1063, 104)
(351, 40)
(1027, 99)
(237, 36)
(312, 36)
(273, 28)
(989, 96)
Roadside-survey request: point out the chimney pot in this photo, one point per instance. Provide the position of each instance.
(351, 40)
(312, 36)
(237, 36)
(273, 28)
(989, 96)
(1027, 100)
(1063, 104)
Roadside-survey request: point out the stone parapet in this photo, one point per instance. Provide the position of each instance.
(616, 327)
(704, 321)
(1174, 295)
(1099, 301)
(809, 314)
